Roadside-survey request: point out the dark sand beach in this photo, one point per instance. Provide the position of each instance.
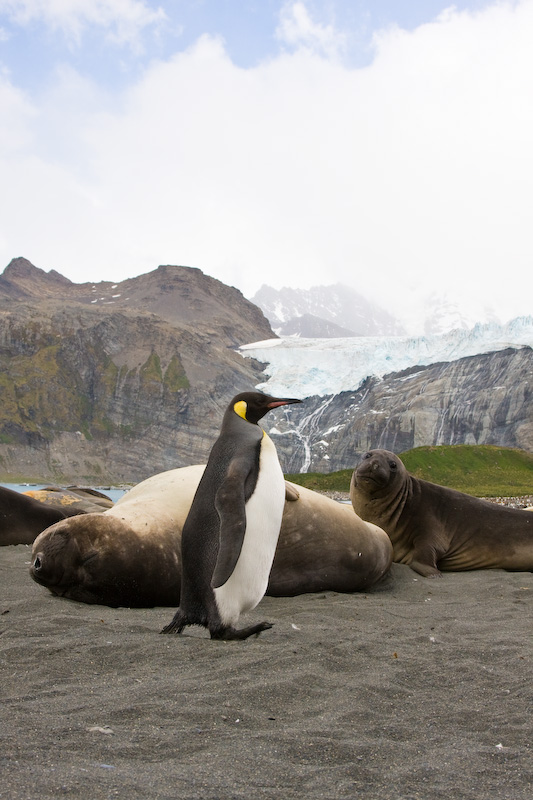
(416, 689)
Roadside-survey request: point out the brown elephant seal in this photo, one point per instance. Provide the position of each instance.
(324, 546)
(23, 518)
(434, 528)
(130, 554)
(72, 500)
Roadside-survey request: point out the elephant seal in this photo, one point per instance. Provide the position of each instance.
(130, 555)
(72, 500)
(434, 528)
(23, 518)
(323, 546)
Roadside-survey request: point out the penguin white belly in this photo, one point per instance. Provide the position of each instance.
(264, 511)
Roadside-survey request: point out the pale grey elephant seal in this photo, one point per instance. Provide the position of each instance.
(323, 546)
(127, 556)
(434, 528)
(130, 555)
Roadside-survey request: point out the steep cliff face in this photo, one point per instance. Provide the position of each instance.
(113, 393)
(485, 399)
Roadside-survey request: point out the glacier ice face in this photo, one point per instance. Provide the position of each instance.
(307, 367)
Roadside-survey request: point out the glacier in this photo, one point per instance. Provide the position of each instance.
(307, 367)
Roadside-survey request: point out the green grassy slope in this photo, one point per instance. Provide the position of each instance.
(480, 470)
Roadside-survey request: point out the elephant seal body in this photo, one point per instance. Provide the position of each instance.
(324, 546)
(131, 556)
(127, 556)
(72, 500)
(23, 518)
(24, 515)
(434, 528)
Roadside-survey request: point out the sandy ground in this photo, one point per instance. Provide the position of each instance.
(417, 689)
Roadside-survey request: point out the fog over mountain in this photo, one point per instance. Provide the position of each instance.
(336, 310)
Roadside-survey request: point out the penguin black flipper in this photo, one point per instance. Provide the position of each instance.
(230, 503)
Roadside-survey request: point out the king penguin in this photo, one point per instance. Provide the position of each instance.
(230, 535)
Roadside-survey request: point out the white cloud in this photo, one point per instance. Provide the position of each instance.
(18, 115)
(123, 20)
(413, 172)
(298, 30)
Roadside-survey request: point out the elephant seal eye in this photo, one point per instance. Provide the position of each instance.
(392, 464)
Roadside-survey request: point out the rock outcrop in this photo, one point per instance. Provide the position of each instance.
(484, 399)
(118, 383)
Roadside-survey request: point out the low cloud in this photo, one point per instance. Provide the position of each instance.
(411, 174)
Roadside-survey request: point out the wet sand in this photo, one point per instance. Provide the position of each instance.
(417, 689)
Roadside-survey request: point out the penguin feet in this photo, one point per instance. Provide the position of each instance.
(219, 632)
(230, 634)
(177, 624)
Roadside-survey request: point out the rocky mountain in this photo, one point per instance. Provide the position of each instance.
(182, 296)
(482, 399)
(113, 382)
(310, 326)
(324, 311)
(116, 381)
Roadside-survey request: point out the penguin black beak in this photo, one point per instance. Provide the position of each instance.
(286, 402)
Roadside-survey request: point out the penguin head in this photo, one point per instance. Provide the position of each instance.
(251, 406)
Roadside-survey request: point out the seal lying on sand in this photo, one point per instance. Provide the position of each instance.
(23, 518)
(130, 554)
(23, 515)
(72, 500)
(433, 528)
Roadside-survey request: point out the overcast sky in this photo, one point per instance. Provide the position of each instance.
(380, 143)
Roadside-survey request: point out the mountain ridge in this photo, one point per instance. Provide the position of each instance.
(179, 295)
(336, 306)
(113, 382)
